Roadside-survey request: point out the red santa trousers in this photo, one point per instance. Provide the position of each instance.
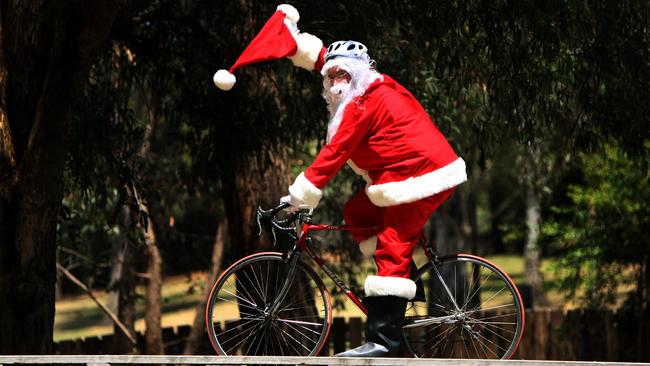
(398, 228)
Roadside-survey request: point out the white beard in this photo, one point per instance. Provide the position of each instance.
(338, 96)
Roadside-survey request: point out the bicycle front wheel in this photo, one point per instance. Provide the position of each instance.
(476, 314)
(240, 317)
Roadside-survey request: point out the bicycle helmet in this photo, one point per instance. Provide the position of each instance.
(351, 49)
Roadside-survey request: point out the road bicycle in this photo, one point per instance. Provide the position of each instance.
(273, 303)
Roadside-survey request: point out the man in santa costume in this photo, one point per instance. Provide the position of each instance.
(381, 131)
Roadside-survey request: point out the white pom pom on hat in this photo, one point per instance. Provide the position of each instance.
(274, 41)
(224, 80)
(291, 12)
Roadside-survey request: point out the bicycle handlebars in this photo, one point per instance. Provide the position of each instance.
(280, 225)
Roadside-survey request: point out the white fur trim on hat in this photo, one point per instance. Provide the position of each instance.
(224, 80)
(368, 246)
(417, 188)
(305, 191)
(309, 47)
(390, 286)
(290, 12)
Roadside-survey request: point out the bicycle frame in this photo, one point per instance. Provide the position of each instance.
(302, 245)
(459, 320)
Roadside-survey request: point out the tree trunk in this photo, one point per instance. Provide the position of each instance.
(126, 289)
(193, 343)
(468, 210)
(447, 228)
(117, 260)
(46, 50)
(532, 252)
(255, 181)
(153, 295)
(152, 312)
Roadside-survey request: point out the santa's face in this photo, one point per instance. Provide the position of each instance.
(343, 80)
(337, 86)
(337, 75)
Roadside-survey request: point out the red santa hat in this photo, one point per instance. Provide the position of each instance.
(278, 38)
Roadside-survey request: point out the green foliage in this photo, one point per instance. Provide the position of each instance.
(601, 231)
(497, 78)
(86, 221)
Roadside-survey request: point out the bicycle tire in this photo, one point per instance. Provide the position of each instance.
(238, 321)
(489, 323)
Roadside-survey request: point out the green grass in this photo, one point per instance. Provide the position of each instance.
(79, 317)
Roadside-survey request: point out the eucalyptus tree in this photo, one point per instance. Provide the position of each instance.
(46, 50)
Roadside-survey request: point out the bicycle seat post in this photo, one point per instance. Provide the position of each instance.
(306, 216)
(429, 248)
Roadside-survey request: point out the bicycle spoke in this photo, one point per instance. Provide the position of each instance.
(485, 349)
(299, 322)
(260, 285)
(464, 343)
(257, 333)
(277, 336)
(243, 340)
(239, 285)
(473, 285)
(495, 295)
(252, 284)
(475, 349)
(284, 332)
(314, 316)
(447, 342)
(498, 316)
(443, 336)
(301, 333)
(234, 328)
(493, 324)
(472, 311)
(254, 307)
(494, 332)
(266, 289)
(485, 338)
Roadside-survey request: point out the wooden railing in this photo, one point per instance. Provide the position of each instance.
(549, 335)
(105, 360)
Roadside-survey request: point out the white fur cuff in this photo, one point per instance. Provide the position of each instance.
(305, 191)
(390, 286)
(368, 246)
(309, 48)
(417, 188)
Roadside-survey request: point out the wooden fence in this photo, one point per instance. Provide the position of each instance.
(549, 335)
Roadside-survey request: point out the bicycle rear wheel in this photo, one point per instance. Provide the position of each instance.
(239, 319)
(480, 317)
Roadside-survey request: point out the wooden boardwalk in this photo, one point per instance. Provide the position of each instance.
(104, 360)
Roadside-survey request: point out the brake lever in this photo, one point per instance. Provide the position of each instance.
(275, 238)
(259, 223)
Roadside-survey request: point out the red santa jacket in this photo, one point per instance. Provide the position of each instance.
(387, 137)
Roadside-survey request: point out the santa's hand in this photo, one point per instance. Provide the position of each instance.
(293, 201)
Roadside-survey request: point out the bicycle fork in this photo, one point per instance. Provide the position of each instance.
(275, 306)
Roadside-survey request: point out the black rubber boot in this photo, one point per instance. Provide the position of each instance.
(419, 285)
(383, 328)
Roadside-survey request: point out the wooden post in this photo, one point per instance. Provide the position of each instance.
(541, 334)
(338, 333)
(556, 340)
(527, 345)
(356, 330)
